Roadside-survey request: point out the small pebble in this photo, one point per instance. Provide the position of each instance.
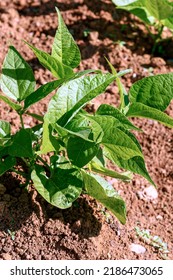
(6, 256)
(149, 193)
(138, 249)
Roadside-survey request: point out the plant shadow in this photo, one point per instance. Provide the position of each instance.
(18, 205)
(86, 19)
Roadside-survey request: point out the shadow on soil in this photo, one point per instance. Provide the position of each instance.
(117, 25)
(17, 206)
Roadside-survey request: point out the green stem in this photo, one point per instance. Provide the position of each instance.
(157, 38)
(121, 91)
(160, 32)
(25, 161)
(21, 120)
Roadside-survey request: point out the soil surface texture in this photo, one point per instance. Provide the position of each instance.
(30, 228)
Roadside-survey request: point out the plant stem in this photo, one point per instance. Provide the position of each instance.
(21, 120)
(25, 161)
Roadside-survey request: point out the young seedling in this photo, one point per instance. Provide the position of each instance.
(79, 144)
(154, 241)
(156, 13)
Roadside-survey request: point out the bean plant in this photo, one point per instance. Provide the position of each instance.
(70, 150)
(156, 13)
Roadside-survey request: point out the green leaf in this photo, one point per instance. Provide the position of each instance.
(125, 176)
(168, 22)
(17, 79)
(6, 164)
(62, 188)
(13, 105)
(160, 9)
(117, 140)
(102, 191)
(135, 164)
(137, 8)
(65, 133)
(64, 48)
(109, 110)
(154, 91)
(42, 92)
(49, 142)
(74, 95)
(22, 144)
(140, 110)
(147, 10)
(79, 124)
(57, 68)
(5, 130)
(80, 151)
(3, 151)
(85, 72)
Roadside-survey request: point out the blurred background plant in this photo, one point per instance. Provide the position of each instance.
(157, 14)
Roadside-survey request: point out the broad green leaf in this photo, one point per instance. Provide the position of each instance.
(135, 164)
(42, 92)
(143, 14)
(95, 128)
(49, 142)
(102, 191)
(61, 189)
(64, 48)
(57, 68)
(74, 95)
(78, 124)
(109, 110)
(95, 167)
(5, 130)
(160, 9)
(154, 91)
(137, 8)
(3, 151)
(6, 164)
(168, 22)
(121, 146)
(65, 133)
(85, 72)
(13, 105)
(22, 144)
(146, 10)
(17, 79)
(116, 139)
(81, 151)
(140, 110)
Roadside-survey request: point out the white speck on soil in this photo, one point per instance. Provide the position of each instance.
(137, 248)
